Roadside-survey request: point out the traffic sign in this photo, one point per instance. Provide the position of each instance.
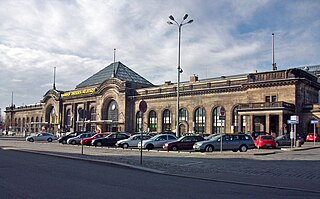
(143, 106)
(292, 122)
(222, 111)
(314, 121)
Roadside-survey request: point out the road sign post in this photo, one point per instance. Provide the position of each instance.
(314, 122)
(142, 108)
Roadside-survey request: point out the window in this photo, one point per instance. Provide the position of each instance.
(235, 119)
(139, 127)
(166, 120)
(218, 125)
(92, 126)
(152, 121)
(80, 119)
(183, 114)
(68, 120)
(267, 99)
(274, 98)
(199, 120)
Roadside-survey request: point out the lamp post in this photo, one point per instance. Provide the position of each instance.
(179, 70)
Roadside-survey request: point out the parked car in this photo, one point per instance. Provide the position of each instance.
(43, 136)
(209, 137)
(234, 142)
(76, 140)
(311, 138)
(64, 139)
(265, 141)
(284, 140)
(185, 142)
(157, 141)
(110, 140)
(255, 134)
(87, 141)
(132, 141)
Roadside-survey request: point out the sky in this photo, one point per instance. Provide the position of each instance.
(78, 37)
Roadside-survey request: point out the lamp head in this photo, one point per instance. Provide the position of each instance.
(171, 17)
(185, 16)
(169, 22)
(190, 21)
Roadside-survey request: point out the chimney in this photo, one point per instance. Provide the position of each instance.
(193, 78)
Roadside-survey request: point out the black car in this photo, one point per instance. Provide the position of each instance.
(110, 140)
(64, 139)
(285, 140)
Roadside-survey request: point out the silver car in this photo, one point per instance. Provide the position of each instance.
(77, 139)
(132, 141)
(44, 136)
(234, 142)
(157, 141)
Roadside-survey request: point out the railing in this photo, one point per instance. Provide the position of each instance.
(267, 105)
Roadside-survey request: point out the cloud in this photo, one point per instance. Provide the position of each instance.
(78, 37)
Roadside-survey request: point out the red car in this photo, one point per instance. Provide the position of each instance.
(265, 141)
(311, 137)
(87, 141)
(185, 142)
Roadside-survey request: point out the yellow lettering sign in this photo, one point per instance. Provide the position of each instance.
(72, 93)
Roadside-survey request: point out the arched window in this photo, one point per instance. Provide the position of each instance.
(68, 120)
(139, 122)
(113, 111)
(235, 119)
(199, 120)
(152, 121)
(37, 124)
(32, 124)
(218, 124)
(166, 120)
(28, 125)
(92, 126)
(80, 119)
(183, 114)
(52, 116)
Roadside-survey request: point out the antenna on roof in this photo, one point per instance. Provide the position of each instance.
(274, 67)
(54, 78)
(114, 63)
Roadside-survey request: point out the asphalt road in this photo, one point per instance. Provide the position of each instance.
(27, 175)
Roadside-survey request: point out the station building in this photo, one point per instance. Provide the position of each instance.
(109, 101)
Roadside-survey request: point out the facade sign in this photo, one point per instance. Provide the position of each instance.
(79, 92)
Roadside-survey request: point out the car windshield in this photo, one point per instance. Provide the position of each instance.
(211, 136)
(181, 138)
(216, 138)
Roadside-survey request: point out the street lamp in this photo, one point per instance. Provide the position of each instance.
(179, 70)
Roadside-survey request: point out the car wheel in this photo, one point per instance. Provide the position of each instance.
(125, 145)
(73, 142)
(99, 144)
(64, 141)
(174, 148)
(243, 148)
(31, 140)
(49, 139)
(149, 146)
(209, 148)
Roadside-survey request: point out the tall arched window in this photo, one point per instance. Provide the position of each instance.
(37, 124)
(92, 126)
(139, 122)
(113, 111)
(80, 119)
(183, 114)
(199, 120)
(218, 124)
(235, 119)
(152, 121)
(166, 120)
(28, 125)
(32, 124)
(68, 120)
